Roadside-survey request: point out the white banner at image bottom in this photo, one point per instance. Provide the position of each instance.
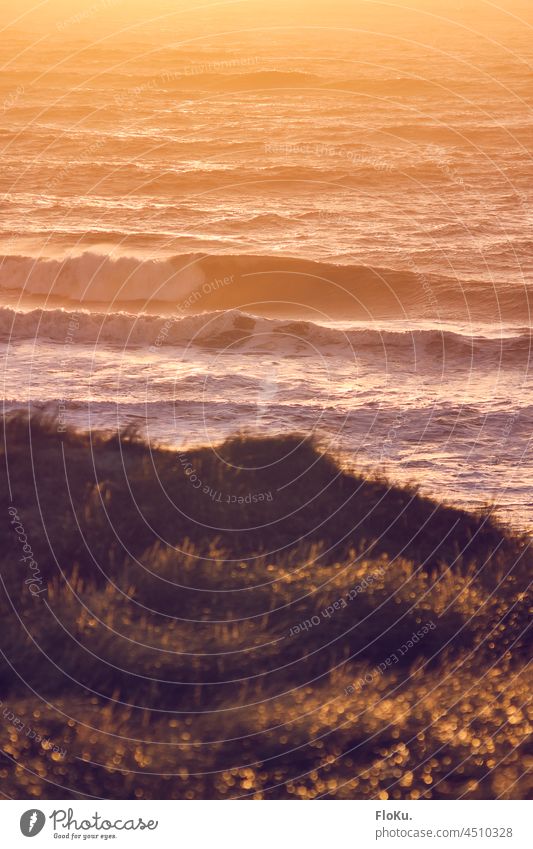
(284, 824)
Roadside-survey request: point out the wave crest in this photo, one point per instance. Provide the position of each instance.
(260, 284)
(233, 331)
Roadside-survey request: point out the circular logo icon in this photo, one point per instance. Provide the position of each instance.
(32, 822)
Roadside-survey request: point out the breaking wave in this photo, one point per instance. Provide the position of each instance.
(263, 285)
(235, 331)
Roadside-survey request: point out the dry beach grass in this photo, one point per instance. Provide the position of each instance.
(337, 637)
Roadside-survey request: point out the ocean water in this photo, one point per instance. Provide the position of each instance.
(242, 230)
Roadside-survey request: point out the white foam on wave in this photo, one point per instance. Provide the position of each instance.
(234, 331)
(93, 277)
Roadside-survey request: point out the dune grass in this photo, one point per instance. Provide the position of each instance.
(252, 621)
